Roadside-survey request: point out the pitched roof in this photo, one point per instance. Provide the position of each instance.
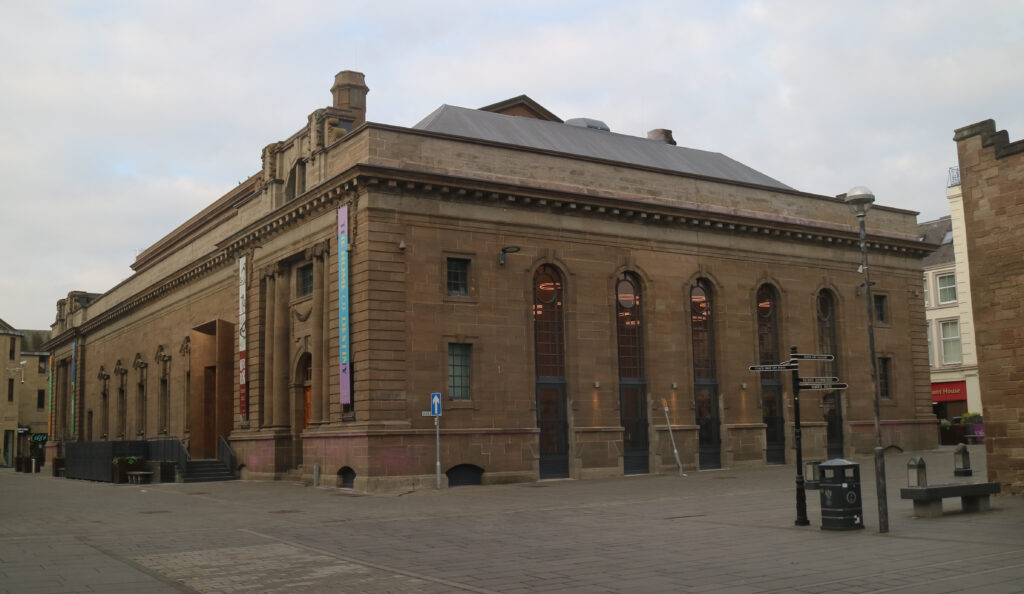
(589, 142)
(937, 232)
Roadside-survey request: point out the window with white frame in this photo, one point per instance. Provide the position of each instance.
(926, 304)
(947, 288)
(950, 331)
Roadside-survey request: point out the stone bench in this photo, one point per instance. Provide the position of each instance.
(928, 500)
(139, 477)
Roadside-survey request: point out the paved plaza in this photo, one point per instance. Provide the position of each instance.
(712, 531)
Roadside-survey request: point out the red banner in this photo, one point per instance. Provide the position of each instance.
(949, 391)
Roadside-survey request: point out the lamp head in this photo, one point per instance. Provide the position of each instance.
(509, 249)
(859, 199)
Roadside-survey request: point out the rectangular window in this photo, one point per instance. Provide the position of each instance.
(885, 377)
(926, 304)
(458, 277)
(44, 364)
(40, 399)
(11, 353)
(881, 303)
(950, 342)
(458, 370)
(947, 288)
(10, 390)
(304, 281)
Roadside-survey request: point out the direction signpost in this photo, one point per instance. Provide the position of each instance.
(435, 411)
(801, 383)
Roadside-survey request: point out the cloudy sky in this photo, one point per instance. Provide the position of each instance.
(119, 120)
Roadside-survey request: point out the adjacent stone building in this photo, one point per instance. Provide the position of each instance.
(555, 283)
(24, 403)
(992, 182)
(952, 352)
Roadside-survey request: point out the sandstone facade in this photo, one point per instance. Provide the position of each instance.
(992, 182)
(159, 354)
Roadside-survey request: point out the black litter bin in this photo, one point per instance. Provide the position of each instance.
(841, 507)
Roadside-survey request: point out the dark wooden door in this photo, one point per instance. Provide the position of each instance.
(554, 430)
(635, 442)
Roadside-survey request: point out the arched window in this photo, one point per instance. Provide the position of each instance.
(549, 335)
(549, 348)
(703, 331)
(771, 383)
(831, 402)
(705, 377)
(632, 385)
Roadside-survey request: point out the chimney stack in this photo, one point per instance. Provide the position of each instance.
(661, 135)
(349, 92)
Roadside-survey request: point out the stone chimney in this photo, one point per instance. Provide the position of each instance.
(349, 92)
(661, 135)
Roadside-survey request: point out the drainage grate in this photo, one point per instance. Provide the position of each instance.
(285, 511)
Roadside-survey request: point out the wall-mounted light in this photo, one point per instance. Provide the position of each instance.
(509, 249)
(597, 384)
(401, 245)
(675, 385)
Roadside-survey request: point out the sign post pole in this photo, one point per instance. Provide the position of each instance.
(801, 496)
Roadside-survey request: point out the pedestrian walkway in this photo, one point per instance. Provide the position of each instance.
(715, 531)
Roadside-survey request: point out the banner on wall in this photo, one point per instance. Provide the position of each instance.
(243, 383)
(344, 379)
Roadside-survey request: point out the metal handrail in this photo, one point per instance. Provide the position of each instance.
(953, 178)
(225, 454)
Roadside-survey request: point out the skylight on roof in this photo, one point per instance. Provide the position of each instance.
(947, 238)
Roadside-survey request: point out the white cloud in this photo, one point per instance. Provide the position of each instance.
(119, 120)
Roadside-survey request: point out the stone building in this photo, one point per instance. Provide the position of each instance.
(992, 182)
(24, 404)
(952, 353)
(555, 282)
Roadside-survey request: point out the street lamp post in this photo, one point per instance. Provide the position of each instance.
(859, 199)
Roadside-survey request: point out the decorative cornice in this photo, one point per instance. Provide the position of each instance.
(360, 178)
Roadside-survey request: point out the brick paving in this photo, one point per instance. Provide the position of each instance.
(716, 531)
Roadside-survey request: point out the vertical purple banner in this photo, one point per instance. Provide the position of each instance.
(344, 380)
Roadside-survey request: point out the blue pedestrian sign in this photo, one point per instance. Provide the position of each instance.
(435, 404)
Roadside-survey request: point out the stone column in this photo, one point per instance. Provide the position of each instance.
(282, 412)
(268, 352)
(317, 399)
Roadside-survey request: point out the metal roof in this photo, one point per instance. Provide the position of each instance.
(588, 142)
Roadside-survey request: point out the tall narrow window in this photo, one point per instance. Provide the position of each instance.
(947, 288)
(40, 399)
(931, 349)
(140, 396)
(705, 377)
(122, 401)
(831, 402)
(304, 281)
(458, 370)
(881, 303)
(11, 353)
(771, 383)
(951, 350)
(10, 390)
(547, 322)
(549, 358)
(632, 381)
(458, 276)
(885, 377)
